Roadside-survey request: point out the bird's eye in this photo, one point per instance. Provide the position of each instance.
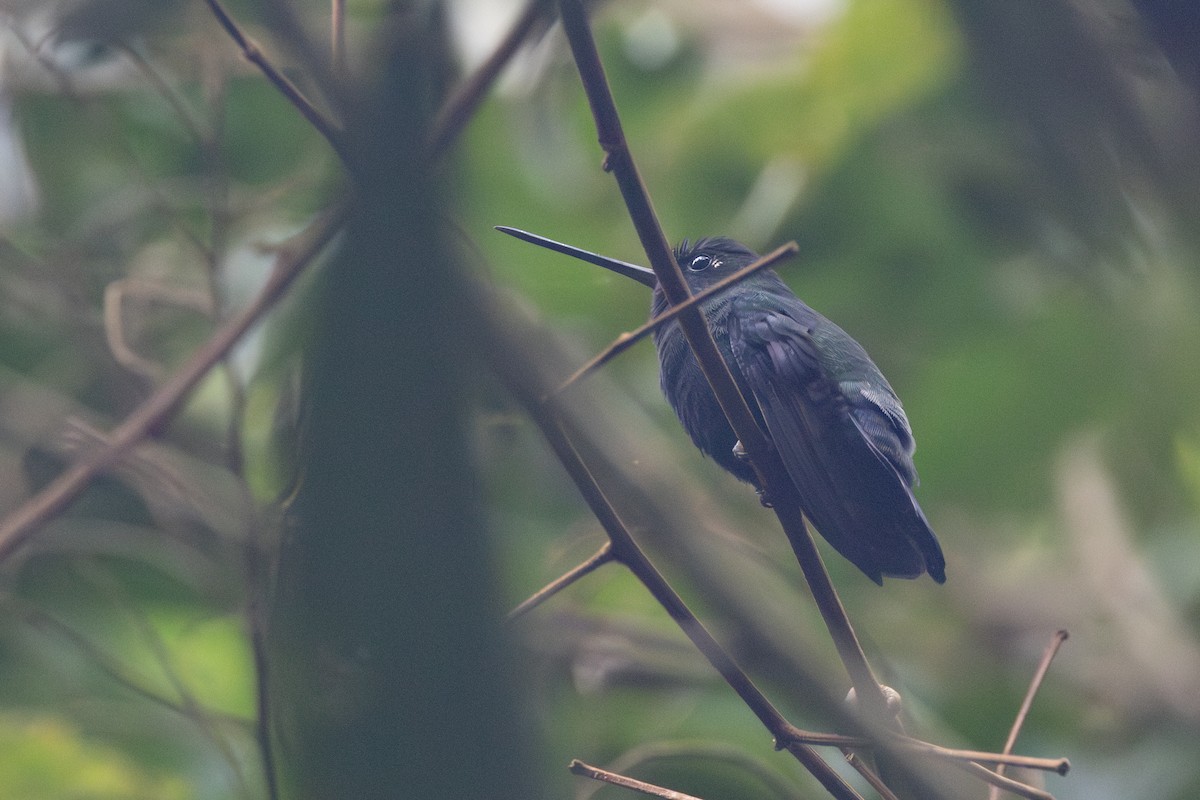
(699, 263)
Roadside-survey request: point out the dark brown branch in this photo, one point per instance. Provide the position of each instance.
(1034, 684)
(774, 477)
(24, 521)
(597, 560)
(254, 54)
(627, 340)
(595, 773)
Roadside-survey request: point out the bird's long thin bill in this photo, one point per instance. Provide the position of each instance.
(640, 274)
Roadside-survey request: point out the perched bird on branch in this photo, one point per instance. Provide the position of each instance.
(827, 409)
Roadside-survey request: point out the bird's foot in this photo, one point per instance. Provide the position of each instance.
(740, 454)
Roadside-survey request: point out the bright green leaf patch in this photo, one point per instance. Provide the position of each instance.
(45, 758)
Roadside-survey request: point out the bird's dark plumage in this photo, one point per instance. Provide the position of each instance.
(833, 418)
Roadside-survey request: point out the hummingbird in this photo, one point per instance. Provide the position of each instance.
(831, 415)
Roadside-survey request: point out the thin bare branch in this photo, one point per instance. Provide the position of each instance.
(597, 560)
(865, 770)
(595, 773)
(918, 747)
(922, 748)
(254, 54)
(1007, 784)
(627, 340)
(26, 519)
(708, 752)
(619, 160)
(1034, 684)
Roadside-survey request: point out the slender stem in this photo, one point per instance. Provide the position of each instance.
(595, 773)
(920, 748)
(774, 476)
(1034, 684)
(597, 560)
(23, 522)
(627, 340)
(1007, 784)
(254, 54)
(707, 752)
(337, 37)
(865, 770)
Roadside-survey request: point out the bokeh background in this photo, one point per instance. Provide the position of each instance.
(999, 201)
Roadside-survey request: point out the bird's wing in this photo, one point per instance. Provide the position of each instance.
(840, 448)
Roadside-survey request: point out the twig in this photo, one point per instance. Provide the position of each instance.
(919, 747)
(620, 162)
(707, 752)
(1034, 684)
(254, 54)
(1007, 784)
(24, 521)
(595, 773)
(627, 340)
(597, 560)
(455, 112)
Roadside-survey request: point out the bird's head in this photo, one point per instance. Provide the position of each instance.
(712, 259)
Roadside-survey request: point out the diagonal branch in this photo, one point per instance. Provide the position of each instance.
(23, 522)
(601, 557)
(577, 767)
(254, 54)
(619, 160)
(514, 373)
(627, 551)
(1034, 684)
